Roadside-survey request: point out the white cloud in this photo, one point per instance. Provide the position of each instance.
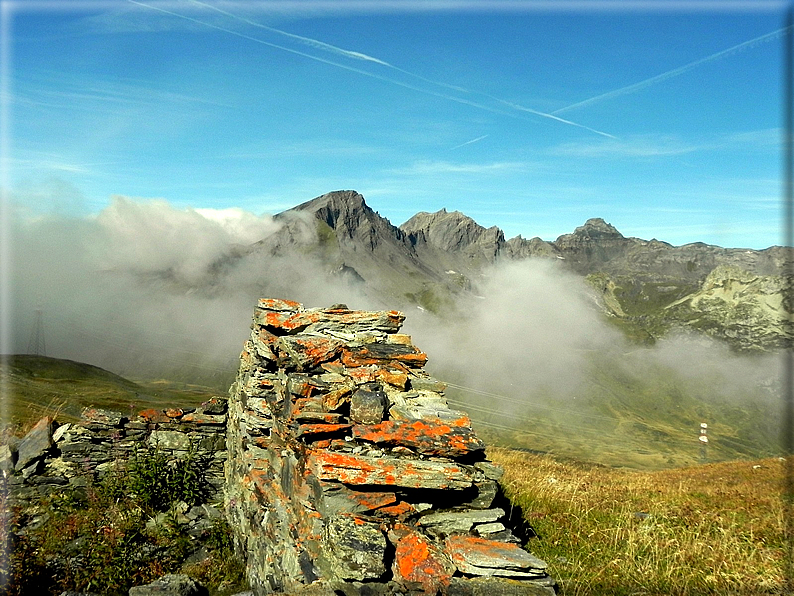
(150, 235)
(637, 146)
(446, 167)
(664, 145)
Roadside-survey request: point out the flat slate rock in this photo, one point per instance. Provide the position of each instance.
(460, 521)
(480, 556)
(35, 443)
(171, 585)
(337, 498)
(309, 351)
(389, 471)
(354, 549)
(453, 438)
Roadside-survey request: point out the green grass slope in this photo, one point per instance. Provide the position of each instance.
(38, 385)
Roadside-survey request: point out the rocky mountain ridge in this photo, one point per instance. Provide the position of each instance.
(648, 286)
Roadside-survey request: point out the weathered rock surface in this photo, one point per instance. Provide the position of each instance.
(457, 235)
(353, 549)
(348, 473)
(744, 308)
(429, 437)
(479, 556)
(367, 407)
(54, 457)
(35, 444)
(170, 585)
(419, 560)
(389, 471)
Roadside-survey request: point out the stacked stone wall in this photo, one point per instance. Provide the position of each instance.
(348, 473)
(52, 457)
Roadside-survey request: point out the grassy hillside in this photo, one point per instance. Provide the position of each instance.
(648, 421)
(643, 416)
(38, 385)
(687, 530)
(713, 529)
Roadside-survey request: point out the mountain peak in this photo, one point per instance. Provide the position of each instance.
(595, 226)
(455, 231)
(336, 205)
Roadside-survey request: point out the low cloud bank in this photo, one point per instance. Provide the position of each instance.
(537, 353)
(129, 290)
(530, 332)
(145, 288)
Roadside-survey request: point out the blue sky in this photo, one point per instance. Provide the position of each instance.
(469, 106)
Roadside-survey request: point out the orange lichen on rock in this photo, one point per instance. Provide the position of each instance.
(302, 388)
(278, 304)
(393, 376)
(199, 418)
(310, 351)
(272, 320)
(289, 321)
(373, 500)
(380, 353)
(431, 437)
(417, 560)
(398, 510)
(356, 442)
(362, 374)
(387, 471)
(474, 554)
(318, 429)
(153, 416)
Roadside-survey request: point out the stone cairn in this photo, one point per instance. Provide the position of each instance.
(73, 456)
(349, 474)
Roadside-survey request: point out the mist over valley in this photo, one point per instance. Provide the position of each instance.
(594, 345)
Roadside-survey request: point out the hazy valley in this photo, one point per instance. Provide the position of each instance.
(594, 358)
(594, 345)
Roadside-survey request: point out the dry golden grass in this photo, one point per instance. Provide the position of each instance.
(711, 529)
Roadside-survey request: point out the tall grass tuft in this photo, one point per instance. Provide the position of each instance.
(713, 529)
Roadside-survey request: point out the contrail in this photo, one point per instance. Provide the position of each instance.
(307, 40)
(672, 73)
(468, 142)
(305, 55)
(515, 106)
(315, 43)
(358, 55)
(358, 70)
(331, 62)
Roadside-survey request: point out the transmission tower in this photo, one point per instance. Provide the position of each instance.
(36, 344)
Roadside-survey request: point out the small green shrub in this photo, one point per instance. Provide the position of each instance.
(157, 482)
(99, 541)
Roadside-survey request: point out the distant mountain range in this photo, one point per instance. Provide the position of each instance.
(545, 375)
(647, 287)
